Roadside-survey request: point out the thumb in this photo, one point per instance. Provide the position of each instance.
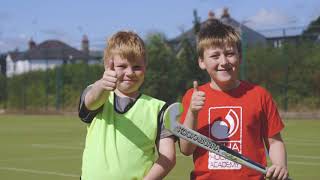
(195, 86)
(110, 65)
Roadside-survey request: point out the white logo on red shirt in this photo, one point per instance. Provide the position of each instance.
(225, 124)
(225, 128)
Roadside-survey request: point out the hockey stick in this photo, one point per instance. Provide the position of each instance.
(171, 117)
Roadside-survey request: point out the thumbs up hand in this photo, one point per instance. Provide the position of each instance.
(197, 99)
(109, 79)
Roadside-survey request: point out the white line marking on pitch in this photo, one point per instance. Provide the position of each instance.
(38, 172)
(304, 163)
(302, 144)
(302, 139)
(42, 159)
(55, 146)
(303, 156)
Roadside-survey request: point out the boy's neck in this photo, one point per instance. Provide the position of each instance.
(224, 87)
(132, 95)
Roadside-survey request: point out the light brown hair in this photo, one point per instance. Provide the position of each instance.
(213, 33)
(127, 45)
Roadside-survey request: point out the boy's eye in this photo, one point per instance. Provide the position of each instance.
(120, 66)
(137, 67)
(215, 56)
(230, 54)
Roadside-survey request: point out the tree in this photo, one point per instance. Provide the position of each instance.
(196, 22)
(313, 29)
(160, 79)
(189, 69)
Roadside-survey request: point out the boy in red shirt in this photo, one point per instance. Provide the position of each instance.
(238, 114)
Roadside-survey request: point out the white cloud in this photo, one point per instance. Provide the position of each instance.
(270, 19)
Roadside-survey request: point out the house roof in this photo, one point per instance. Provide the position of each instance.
(50, 49)
(16, 55)
(251, 36)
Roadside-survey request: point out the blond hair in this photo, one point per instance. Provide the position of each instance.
(127, 45)
(213, 33)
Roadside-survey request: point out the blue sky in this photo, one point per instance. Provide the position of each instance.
(68, 20)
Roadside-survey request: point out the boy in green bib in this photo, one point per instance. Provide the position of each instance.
(124, 126)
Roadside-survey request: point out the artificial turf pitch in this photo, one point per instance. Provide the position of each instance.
(38, 147)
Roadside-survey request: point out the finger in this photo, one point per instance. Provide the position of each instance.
(198, 103)
(110, 74)
(201, 94)
(200, 99)
(269, 171)
(111, 65)
(110, 79)
(108, 85)
(286, 176)
(281, 174)
(276, 173)
(110, 69)
(195, 86)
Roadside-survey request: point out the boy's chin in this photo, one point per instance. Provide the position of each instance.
(128, 90)
(224, 79)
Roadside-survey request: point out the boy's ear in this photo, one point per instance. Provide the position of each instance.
(201, 63)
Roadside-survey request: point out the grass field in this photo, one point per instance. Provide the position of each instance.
(50, 148)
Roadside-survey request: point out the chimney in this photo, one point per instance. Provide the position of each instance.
(225, 13)
(31, 44)
(85, 44)
(211, 15)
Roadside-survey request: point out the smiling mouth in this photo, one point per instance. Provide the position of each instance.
(224, 70)
(132, 80)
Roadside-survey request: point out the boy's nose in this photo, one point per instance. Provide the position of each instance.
(129, 71)
(224, 59)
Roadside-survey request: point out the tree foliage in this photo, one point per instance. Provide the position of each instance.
(291, 73)
(160, 81)
(313, 28)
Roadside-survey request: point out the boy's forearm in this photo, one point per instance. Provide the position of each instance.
(95, 97)
(277, 153)
(191, 120)
(158, 171)
(165, 161)
(186, 147)
(278, 157)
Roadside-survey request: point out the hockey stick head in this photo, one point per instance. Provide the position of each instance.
(172, 115)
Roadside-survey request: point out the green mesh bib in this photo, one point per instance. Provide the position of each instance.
(122, 146)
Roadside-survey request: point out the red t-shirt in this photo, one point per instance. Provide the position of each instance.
(241, 119)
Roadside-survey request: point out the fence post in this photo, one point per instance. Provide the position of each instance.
(58, 86)
(47, 85)
(5, 105)
(286, 76)
(243, 59)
